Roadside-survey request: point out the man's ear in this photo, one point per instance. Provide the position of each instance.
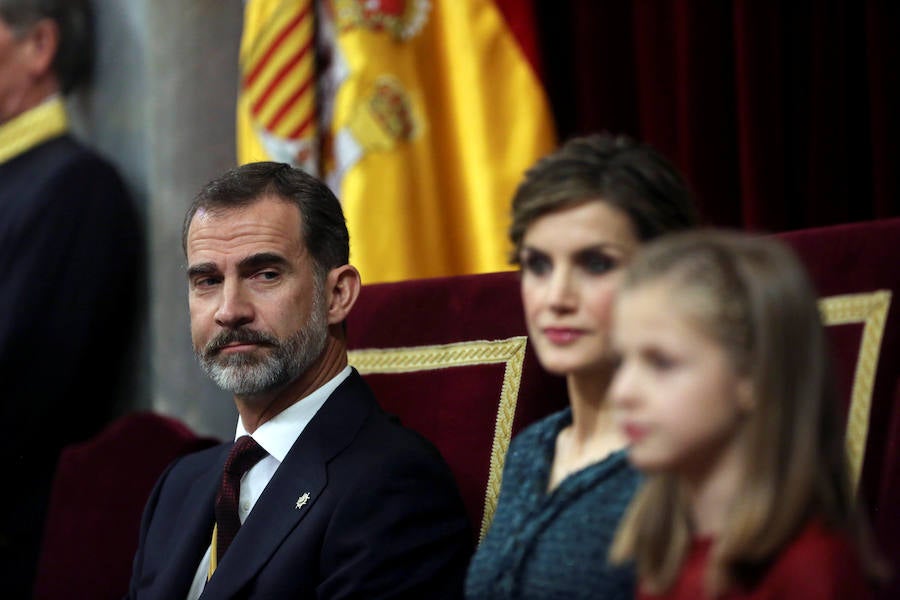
(342, 290)
(43, 42)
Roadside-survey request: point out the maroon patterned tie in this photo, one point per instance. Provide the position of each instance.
(245, 453)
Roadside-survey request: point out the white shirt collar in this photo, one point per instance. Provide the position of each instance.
(278, 434)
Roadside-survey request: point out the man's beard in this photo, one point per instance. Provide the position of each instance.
(244, 374)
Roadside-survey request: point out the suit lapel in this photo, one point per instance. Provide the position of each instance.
(294, 488)
(195, 529)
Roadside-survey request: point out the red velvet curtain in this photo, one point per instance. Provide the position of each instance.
(782, 115)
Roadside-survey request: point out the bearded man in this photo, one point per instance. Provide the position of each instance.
(341, 500)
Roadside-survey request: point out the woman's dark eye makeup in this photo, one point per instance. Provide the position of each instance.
(596, 261)
(536, 262)
(593, 260)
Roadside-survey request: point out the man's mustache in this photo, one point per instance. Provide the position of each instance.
(238, 336)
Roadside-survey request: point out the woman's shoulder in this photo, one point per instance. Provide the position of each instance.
(542, 431)
(531, 450)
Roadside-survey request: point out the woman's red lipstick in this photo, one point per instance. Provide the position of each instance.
(562, 335)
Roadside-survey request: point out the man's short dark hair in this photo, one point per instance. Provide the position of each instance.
(324, 229)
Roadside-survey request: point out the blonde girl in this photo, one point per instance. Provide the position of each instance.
(724, 393)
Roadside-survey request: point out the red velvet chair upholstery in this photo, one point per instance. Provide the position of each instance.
(98, 496)
(450, 357)
(856, 268)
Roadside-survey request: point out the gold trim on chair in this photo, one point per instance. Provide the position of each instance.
(871, 309)
(510, 351)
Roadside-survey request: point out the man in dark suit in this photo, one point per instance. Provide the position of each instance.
(71, 258)
(345, 502)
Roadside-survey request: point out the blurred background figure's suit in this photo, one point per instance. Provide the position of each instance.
(71, 254)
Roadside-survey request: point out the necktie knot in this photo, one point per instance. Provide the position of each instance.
(244, 454)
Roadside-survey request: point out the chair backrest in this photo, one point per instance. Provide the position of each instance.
(98, 495)
(450, 357)
(856, 268)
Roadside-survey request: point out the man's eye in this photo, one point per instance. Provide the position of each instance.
(205, 282)
(268, 275)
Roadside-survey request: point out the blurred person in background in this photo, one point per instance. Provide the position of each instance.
(71, 254)
(726, 396)
(577, 218)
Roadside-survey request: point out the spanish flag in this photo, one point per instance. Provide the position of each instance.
(276, 112)
(429, 112)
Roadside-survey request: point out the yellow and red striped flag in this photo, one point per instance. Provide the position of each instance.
(277, 100)
(430, 112)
